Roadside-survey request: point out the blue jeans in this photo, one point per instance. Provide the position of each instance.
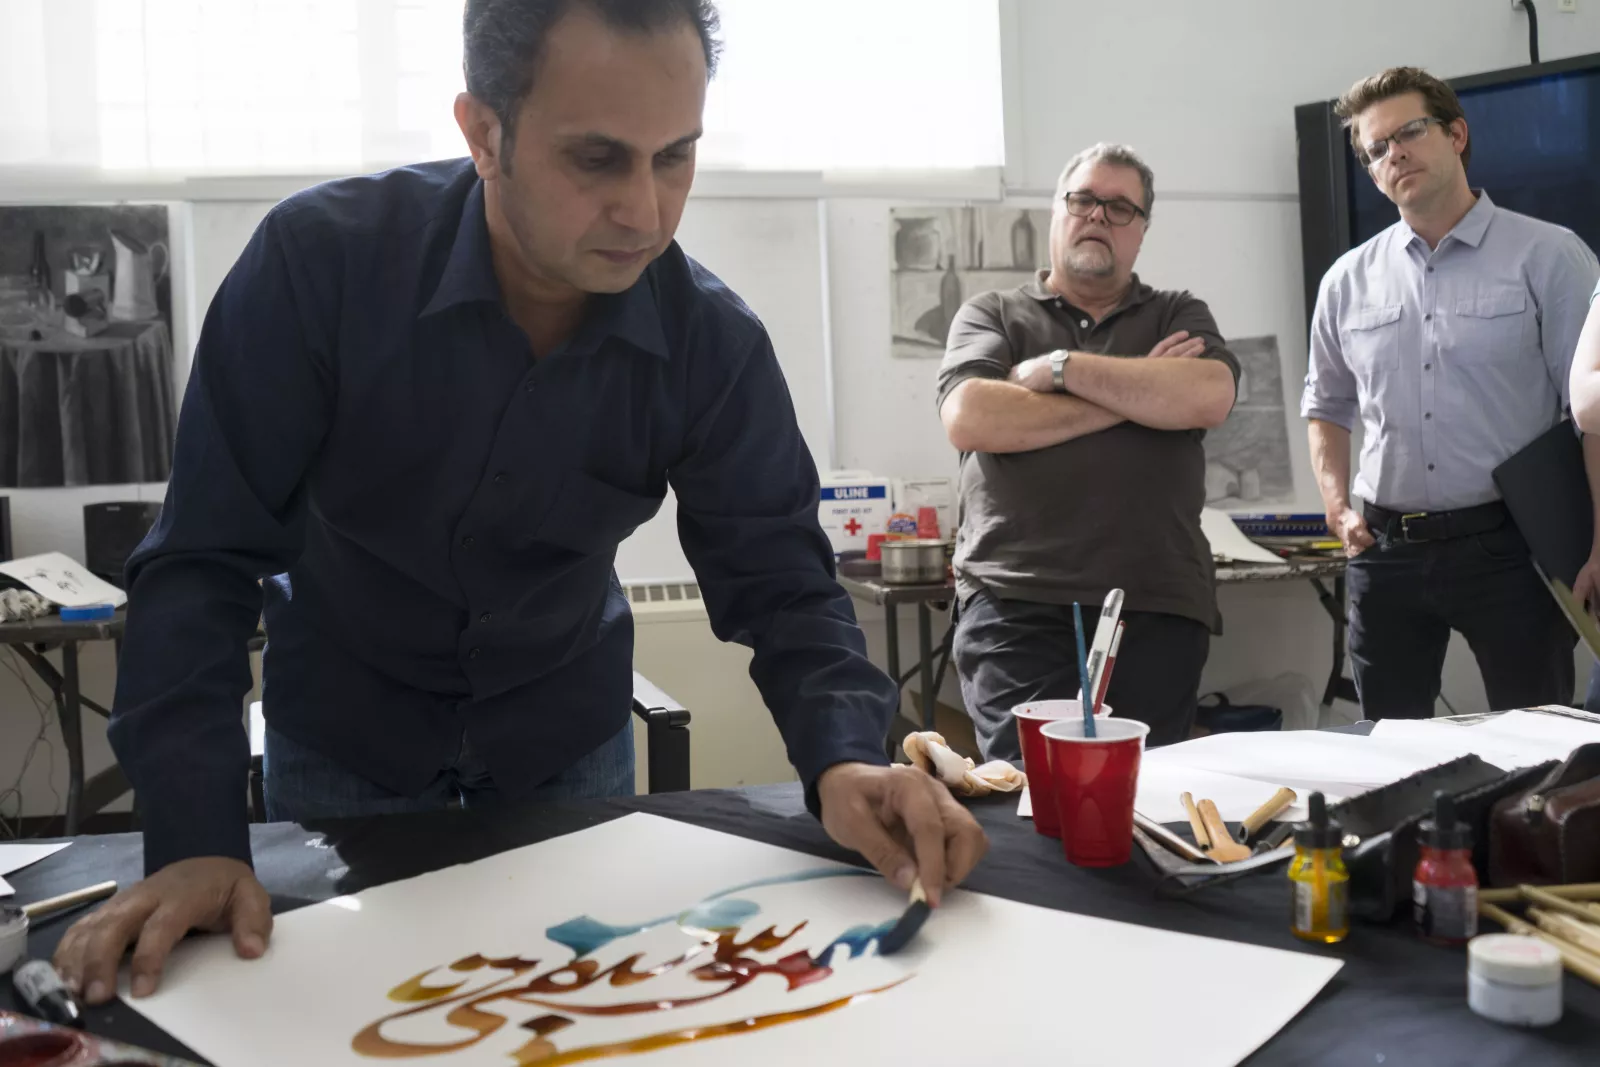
(302, 784)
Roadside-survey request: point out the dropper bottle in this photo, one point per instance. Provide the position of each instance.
(1319, 883)
(1444, 888)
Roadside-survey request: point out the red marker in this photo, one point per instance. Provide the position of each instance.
(1111, 662)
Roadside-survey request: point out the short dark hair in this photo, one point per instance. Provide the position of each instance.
(502, 40)
(1437, 97)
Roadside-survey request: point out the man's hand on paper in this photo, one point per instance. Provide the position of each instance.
(1351, 529)
(904, 822)
(211, 893)
(1586, 586)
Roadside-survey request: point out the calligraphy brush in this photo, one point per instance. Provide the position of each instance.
(911, 921)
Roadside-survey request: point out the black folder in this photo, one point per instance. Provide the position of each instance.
(1547, 492)
(1546, 489)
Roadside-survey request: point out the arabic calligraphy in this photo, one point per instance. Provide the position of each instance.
(478, 996)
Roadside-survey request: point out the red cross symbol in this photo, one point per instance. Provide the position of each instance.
(852, 527)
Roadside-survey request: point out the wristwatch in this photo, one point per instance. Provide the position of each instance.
(1058, 367)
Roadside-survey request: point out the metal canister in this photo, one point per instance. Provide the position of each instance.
(915, 561)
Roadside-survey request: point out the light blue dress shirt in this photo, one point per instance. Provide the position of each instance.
(1454, 358)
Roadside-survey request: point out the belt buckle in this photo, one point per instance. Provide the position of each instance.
(1405, 527)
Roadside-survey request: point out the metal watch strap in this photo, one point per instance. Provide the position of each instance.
(1058, 366)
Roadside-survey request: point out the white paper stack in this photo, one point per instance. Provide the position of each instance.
(15, 857)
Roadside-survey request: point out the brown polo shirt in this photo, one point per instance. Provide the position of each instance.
(1118, 509)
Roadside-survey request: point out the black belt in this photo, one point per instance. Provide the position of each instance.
(1414, 526)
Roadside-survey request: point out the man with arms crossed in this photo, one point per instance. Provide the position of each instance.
(1079, 402)
(426, 406)
(1450, 336)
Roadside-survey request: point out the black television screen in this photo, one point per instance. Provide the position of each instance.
(1535, 148)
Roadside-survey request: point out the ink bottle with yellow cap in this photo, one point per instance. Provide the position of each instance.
(1319, 883)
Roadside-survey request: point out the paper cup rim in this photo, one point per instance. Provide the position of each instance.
(1130, 730)
(1030, 710)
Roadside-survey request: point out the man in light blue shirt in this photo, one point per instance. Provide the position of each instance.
(1450, 335)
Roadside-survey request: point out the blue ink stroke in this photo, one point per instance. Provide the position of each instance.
(585, 935)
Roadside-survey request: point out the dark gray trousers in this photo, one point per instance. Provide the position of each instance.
(1010, 652)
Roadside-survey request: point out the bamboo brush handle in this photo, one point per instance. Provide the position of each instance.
(1224, 849)
(1577, 891)
(1201, 837)
(1268, 811)
(39, 909)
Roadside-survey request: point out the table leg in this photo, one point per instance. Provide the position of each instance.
(1338, 687)
(891, 637)
(930, 696)
(70, 712)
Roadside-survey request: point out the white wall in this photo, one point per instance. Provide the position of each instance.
(1205, 90)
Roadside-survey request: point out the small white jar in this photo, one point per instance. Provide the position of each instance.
(13, 936)
(1514, 979)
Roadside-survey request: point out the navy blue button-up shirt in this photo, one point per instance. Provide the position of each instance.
(437, 514)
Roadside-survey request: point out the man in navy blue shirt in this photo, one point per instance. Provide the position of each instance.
(425, 408)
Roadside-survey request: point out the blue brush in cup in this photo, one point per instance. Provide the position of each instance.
(1083, 670)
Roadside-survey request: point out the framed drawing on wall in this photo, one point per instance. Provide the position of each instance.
(86, 345)
(941, 257)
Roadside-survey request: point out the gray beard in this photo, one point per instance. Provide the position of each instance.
(1084, 260)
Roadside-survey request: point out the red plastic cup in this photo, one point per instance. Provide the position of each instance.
(875, 545)
(1035, 763)
(1094, 781)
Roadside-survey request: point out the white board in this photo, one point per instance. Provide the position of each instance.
(645, 895)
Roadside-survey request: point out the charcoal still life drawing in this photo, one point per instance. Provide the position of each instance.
(87, 391)
(1248, 463)
(941, 257)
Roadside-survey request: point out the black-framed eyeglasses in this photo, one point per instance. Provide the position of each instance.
(1119, 212)
(1373, 151)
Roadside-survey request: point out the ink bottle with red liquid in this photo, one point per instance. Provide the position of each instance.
(1444, 889)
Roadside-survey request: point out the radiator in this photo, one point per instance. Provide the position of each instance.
(732, 739)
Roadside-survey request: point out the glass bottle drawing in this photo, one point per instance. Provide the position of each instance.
(1023, 238)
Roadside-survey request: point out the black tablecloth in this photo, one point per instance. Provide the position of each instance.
(1398, 1001)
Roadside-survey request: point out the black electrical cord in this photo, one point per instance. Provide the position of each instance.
(1533, 30)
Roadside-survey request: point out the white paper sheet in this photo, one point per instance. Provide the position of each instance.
(1556, 735)
(1161, 784)
(1342, 765)
(63, 580)
(1229, 542)
(1515, 739)
(1446, 741)
(1075, 990)
(14, 857)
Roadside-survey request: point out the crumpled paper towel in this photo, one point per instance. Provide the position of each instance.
(19, 605)
(927, 751)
